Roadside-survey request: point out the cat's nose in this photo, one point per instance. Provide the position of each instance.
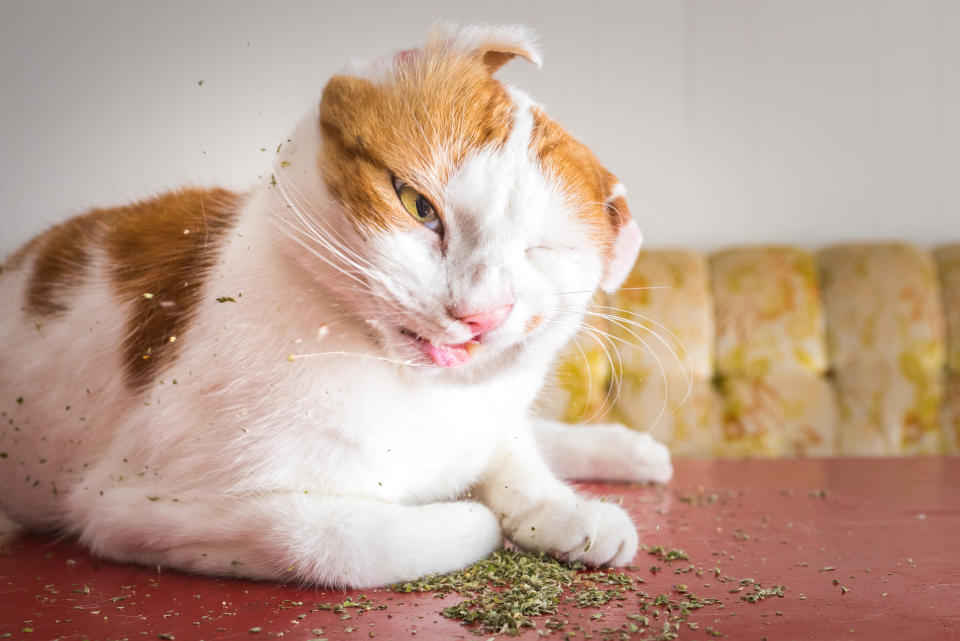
(483, 322)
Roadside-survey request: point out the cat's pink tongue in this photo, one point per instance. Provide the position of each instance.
(448, 355)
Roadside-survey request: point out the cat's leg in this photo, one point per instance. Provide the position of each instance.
(538, 511)
(603, 452)
(338, 542)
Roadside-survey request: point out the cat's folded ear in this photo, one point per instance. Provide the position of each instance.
(494, 45)
(627, 238)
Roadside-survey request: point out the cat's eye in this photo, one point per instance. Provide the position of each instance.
(418, 206)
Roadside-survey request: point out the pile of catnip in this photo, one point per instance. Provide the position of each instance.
(505, 593)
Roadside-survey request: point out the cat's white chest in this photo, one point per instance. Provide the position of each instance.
(378, 435)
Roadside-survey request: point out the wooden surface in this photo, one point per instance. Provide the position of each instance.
(867, 549)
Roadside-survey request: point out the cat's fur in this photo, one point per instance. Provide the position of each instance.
(233, 384)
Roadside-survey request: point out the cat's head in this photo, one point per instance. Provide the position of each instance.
(470, 227)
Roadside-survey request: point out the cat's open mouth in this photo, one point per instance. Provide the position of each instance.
(444, 355)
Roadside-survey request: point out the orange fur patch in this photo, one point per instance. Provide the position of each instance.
(162, 247)
(418, 126)
(583, 178)
(150, 253)
(61, 256)
(535, 321)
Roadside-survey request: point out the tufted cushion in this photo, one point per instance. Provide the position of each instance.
(768, 311)
(886, 336)
(772, 351)
(948, 264)
(664, 333)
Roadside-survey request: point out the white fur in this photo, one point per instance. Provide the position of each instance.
(348, 465)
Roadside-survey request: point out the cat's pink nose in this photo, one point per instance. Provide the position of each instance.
(483, 322)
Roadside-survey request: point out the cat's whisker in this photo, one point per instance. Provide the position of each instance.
(594, 331)
(329, 243)
(297, 233)
(597, 336)
(660, 367)
(622, 289)
(295, 357)
(686, 364)
(615, 368)
(290, 231)
(318, 220)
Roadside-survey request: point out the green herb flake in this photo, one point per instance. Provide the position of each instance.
(663, 554)
(759, 593)
(226, 299)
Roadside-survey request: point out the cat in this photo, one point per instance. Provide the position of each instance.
(328, 379)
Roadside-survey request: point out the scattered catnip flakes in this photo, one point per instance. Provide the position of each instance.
(507, 591)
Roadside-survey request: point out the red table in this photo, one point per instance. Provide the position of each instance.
(867, 549)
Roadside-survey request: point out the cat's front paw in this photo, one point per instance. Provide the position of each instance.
(592, 532)
(629, 455)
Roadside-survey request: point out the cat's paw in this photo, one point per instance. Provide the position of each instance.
(592, 532)
(629, 455)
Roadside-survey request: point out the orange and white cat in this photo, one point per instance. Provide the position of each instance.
(329, 378)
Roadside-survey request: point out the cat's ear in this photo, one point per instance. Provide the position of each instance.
(627, 237)
(493, 45)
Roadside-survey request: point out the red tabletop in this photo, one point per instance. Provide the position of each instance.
(866, 549)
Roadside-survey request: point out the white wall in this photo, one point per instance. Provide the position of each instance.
(804, 121)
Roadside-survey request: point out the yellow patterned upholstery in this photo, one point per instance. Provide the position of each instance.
(668, 295)
(664, 332)
(950, 416)
(581, 388)
(784, 413)
(948, 264)
(768, 311)
(772, 351)
(886, 333)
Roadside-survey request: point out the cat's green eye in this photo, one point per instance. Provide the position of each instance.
(418, 206)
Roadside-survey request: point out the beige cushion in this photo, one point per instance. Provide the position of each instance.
(948, 264)
(885, 329)
(768, 311)
(883, 301)
(663, 330)
(579, 389)
(771, 354)
(784, 413)
(665, 311)
(950, 415)
(885, 411)
(684, 416)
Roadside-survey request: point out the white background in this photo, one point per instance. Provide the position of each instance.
(730, 122)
